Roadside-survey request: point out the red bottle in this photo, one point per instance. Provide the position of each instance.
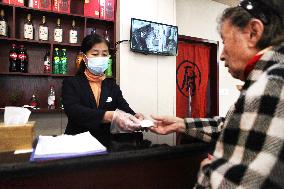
(13, 59)
(23, 59)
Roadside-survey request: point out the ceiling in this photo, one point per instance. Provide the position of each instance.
(228, 2)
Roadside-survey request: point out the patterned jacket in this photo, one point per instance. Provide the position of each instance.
(249, 152)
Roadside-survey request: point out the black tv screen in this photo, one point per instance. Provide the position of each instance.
(153, 38)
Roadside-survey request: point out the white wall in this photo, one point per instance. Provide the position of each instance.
(199, 19)
(147, 81)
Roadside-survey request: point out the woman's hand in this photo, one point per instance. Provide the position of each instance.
(167, 124)
(124, 122)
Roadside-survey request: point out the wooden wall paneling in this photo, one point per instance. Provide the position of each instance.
(36, 55)
(4, 55)
(101, 27)
(77, 7)
(26, 86)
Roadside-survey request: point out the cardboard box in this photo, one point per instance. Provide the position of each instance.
(14, 2)
(16, 137)
(40, 4)
(92, 8)
(107, 9)
(62, 6)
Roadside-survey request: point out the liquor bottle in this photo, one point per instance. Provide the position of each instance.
(28, 28)
(51, 98)
(73, 34)
(23, 59)
(13, 59)
(43, 30)
(106, 35)
(34, 102)
(108, 71)
(63, 62)
(3, 24)
(56, 62)
(58, 32)
(79, 58)
(46, 63)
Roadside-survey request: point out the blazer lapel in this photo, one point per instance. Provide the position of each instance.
(104, 94)
(88, 91)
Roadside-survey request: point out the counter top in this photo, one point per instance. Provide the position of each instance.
(13, 166)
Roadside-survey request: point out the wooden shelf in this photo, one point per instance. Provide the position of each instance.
(40, 42)
(35, 81)
(66, 44)
(36, 74)
(54, 12)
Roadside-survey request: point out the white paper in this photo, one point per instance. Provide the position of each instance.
(67, 144)
(146, 123)
(16, 115)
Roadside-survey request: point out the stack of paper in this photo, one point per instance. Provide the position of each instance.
(65, 146)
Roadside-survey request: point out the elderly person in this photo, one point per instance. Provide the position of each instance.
(249, 151)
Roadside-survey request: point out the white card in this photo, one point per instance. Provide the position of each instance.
(147, 123)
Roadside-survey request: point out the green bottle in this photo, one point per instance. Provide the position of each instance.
(56, 62)
(108, 71)
(64, 62)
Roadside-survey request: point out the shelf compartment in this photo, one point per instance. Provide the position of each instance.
(36, 74)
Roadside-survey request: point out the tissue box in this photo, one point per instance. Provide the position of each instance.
(16, 137)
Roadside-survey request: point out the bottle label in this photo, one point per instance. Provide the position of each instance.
(43, 33)
(46, 65)
(28, 31)
(13, 56)
(22, 57)
(73, 36)
(51, 100)
(3, 28)
(58, 35)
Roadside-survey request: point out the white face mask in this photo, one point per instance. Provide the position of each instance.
(97, 65)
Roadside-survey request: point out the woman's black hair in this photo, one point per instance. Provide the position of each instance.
(273, 33)
(88, 42)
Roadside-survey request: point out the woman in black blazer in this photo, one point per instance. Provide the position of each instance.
(89, 98)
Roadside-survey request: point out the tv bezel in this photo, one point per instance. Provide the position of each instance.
(152, 52)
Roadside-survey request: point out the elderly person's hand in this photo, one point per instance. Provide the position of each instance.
(167, 124)
(123, 122)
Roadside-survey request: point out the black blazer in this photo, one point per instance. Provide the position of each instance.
(81, 107)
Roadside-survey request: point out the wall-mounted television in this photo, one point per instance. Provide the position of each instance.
(149, 37)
